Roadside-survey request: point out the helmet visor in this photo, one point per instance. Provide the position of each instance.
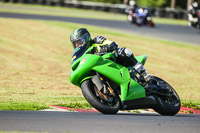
(78, 43)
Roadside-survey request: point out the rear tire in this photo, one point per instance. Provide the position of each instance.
(167, 105)
(88, 91)
(151, 24)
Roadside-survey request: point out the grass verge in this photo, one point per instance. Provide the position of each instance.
(35, 61)
(195, 104)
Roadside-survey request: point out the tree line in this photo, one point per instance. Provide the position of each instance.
(179, 4)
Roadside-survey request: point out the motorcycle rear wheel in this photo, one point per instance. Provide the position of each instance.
(151, 24)
(88, 90)
(167, 105)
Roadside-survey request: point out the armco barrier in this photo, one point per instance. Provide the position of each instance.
(117, 8)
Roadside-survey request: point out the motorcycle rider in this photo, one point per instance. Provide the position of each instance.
(130, 10)
(124, 56)
(132, 6)
(192, 14)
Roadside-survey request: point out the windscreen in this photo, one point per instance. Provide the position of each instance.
(78, 52)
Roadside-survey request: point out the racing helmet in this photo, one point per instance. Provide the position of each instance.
(80, 37)
(195, 5)
(132, 2)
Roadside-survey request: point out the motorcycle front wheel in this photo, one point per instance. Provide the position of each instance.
(168, 101)
(110, 106)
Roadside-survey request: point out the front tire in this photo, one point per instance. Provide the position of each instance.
(167, 105)
(88, 90)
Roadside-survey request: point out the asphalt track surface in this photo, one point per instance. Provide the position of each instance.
(94, 122)
(178, 33)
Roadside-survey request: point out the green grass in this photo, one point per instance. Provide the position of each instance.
(77, 105)
(72, 12)
(35, 61)
(22, 106)
(170, 21)
(191, 104)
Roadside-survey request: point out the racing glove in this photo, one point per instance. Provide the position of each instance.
(109, 48)
(99, 39)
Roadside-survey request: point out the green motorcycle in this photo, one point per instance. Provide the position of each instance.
(110, 87)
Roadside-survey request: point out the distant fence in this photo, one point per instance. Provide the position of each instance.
(117, 8)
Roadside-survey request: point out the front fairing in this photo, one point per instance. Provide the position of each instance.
(78, 52)
(142, 12)
(84, 63)
(78, 59)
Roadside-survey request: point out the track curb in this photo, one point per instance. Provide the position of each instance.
(183, 110)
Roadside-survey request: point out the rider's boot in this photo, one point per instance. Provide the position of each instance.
(139, 68)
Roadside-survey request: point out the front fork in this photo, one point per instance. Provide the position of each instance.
(103, 88)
